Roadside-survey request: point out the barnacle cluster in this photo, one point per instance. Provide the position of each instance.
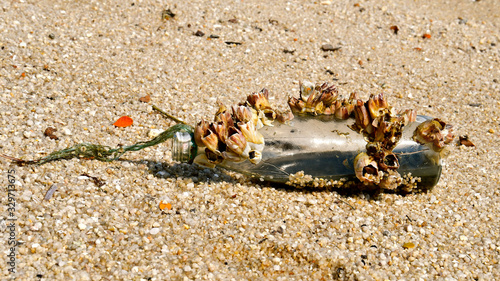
(322, 99)
(382, 127)
(233, 134)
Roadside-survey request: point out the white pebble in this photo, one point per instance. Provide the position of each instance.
(67, 132)
(312, 201)
(162, 174)
(37, 226)
(154, 230)
(153, 133)
(300, 199)
(82, 226)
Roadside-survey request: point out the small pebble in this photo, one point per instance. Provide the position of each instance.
(300, 199)
(329, 48)
(153, 133)
(199, 33)
(146, 99)
(154, 231)
(27, 134)
(67, 132)
(50, 192)
(408, 245)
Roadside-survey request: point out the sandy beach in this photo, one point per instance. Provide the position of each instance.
(78, 66)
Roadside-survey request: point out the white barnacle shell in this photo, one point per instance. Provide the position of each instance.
(306, 89)
(366, 169)
(255, 156)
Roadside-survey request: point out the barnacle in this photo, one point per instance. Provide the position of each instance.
(434, 133)
(242, 113)
(388, 161)
(251, 134)
(237, 142)
(366, 169)
(361, 115)
(259, 100)
(377, 105)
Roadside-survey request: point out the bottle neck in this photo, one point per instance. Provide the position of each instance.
(183, 147)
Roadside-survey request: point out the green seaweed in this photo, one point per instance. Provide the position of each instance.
(103, 152)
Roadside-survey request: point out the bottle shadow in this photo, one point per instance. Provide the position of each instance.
(200, 174)
(196, 173)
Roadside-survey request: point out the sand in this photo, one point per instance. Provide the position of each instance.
(78, 66)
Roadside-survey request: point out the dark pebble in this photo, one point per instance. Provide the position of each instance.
(167, 14)
(464, 140)
(49, 132)
(329, 48)
(199, 33)
(232, 43)
(395, 29)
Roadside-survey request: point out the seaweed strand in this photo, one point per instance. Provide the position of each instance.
(102, 152)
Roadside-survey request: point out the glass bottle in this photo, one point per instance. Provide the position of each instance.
(322, 147)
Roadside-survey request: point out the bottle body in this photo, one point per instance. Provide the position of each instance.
(326, 148)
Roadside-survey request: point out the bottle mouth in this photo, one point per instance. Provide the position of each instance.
(183, 147)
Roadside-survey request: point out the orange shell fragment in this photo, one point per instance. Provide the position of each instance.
(167, 206)
(124, 121)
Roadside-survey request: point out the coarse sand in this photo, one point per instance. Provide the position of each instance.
(77, 66)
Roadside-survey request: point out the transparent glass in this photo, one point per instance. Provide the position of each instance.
(181, 147)
(326, 148)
